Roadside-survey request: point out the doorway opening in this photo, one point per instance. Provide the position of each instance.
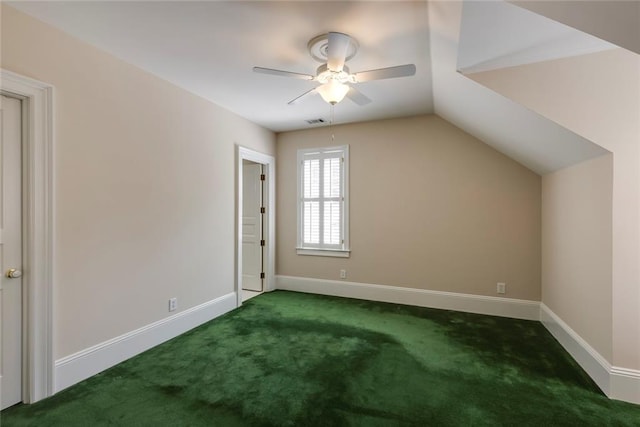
(255, 224)
(253, 212)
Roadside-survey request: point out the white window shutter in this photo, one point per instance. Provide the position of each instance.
(322, 208)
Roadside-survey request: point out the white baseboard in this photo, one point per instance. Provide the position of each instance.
(615, 382)
(81, 365)
(625, 385)
(587, 357)
(505, 307)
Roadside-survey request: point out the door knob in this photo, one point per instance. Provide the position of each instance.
(12, 273)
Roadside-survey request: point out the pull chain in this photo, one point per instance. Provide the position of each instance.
(331, 122)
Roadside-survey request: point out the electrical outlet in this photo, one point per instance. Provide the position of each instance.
(501, 288)
(173, 304)
(343, 274)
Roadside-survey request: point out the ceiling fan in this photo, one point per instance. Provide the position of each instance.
(333, 50)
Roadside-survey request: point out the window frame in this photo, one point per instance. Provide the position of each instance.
(342, 250)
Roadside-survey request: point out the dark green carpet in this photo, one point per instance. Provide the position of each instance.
(290, 359)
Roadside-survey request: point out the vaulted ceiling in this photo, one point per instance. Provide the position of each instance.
(210, 47)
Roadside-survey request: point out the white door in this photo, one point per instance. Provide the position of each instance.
(10, 252)
(251, 226)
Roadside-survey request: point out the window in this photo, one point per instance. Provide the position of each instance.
(323, 205)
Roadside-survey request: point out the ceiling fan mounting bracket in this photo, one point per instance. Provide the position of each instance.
(318, 48)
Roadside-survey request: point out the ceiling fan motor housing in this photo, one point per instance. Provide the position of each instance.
(324, 75)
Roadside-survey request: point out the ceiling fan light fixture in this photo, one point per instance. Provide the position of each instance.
(333, 91)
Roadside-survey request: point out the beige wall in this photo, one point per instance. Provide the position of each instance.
(144, 187)
(576, 249)
(598, 97)
(431, 208)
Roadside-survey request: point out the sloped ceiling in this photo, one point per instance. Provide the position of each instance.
(617, 21)
(512, 129)
(596, 94)
(209, 48)
(487, 41)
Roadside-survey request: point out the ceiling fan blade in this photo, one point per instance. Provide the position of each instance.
(282, 73)
(302, 97)
(386, 73)
(337, 49)
(358, 97)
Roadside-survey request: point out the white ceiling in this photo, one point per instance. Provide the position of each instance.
(487, 39)
(617, 21)
(210, 47)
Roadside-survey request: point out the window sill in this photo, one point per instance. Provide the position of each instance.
(338, 253)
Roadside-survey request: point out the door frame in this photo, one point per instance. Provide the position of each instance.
(38, 237)
(269, 196)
